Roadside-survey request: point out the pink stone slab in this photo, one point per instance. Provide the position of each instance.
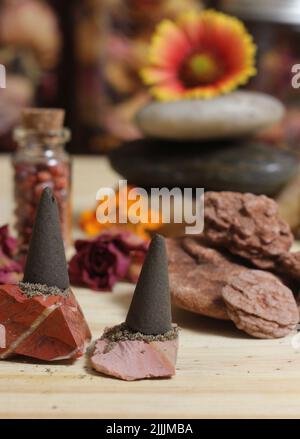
(136, 360)
(2, 337)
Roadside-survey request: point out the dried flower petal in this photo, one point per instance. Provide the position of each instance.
(10, 269)
(101, 262)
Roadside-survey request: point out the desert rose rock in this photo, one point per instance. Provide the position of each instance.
(288, 263)
(198, 274)
(40, 318)
(248, 226)
(145, 346)
(234, 115)
(259, 304)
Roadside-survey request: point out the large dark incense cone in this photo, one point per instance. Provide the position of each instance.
(146, 345)
(46, 262)
(150, 309)
(40, 318)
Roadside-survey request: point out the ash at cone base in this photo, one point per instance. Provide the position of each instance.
(123, 333)
(32, 290)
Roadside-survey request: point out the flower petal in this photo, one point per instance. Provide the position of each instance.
(169, 45)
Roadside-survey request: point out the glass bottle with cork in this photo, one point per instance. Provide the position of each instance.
(40, 161)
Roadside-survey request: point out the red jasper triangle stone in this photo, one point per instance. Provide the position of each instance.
(48, 328)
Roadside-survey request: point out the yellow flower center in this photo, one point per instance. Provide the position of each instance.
(204, 67)
(200, 68)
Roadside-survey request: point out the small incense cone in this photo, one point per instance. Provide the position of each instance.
(147, 347)
(40, 318)
(150, 309)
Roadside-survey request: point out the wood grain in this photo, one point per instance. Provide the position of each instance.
(220, 371)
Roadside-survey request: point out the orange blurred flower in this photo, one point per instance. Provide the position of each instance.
(90, 225)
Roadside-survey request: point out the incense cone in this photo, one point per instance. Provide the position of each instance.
(150, 309)
(40, 317)
(46, 261)
(146, 345)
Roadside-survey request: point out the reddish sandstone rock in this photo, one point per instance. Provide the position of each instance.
(259, 304)
(197, 275)
(48, 328)
(248, 226)
(132, 360)
(288, 263)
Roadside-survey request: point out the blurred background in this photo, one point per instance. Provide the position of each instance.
(85, 56)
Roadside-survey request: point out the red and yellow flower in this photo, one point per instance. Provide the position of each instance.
(201, 55)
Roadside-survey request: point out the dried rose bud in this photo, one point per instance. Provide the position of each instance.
(101, 262)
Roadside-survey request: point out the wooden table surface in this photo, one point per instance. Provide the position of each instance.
(220, 371)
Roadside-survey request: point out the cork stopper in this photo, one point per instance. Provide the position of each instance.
(43, 119)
